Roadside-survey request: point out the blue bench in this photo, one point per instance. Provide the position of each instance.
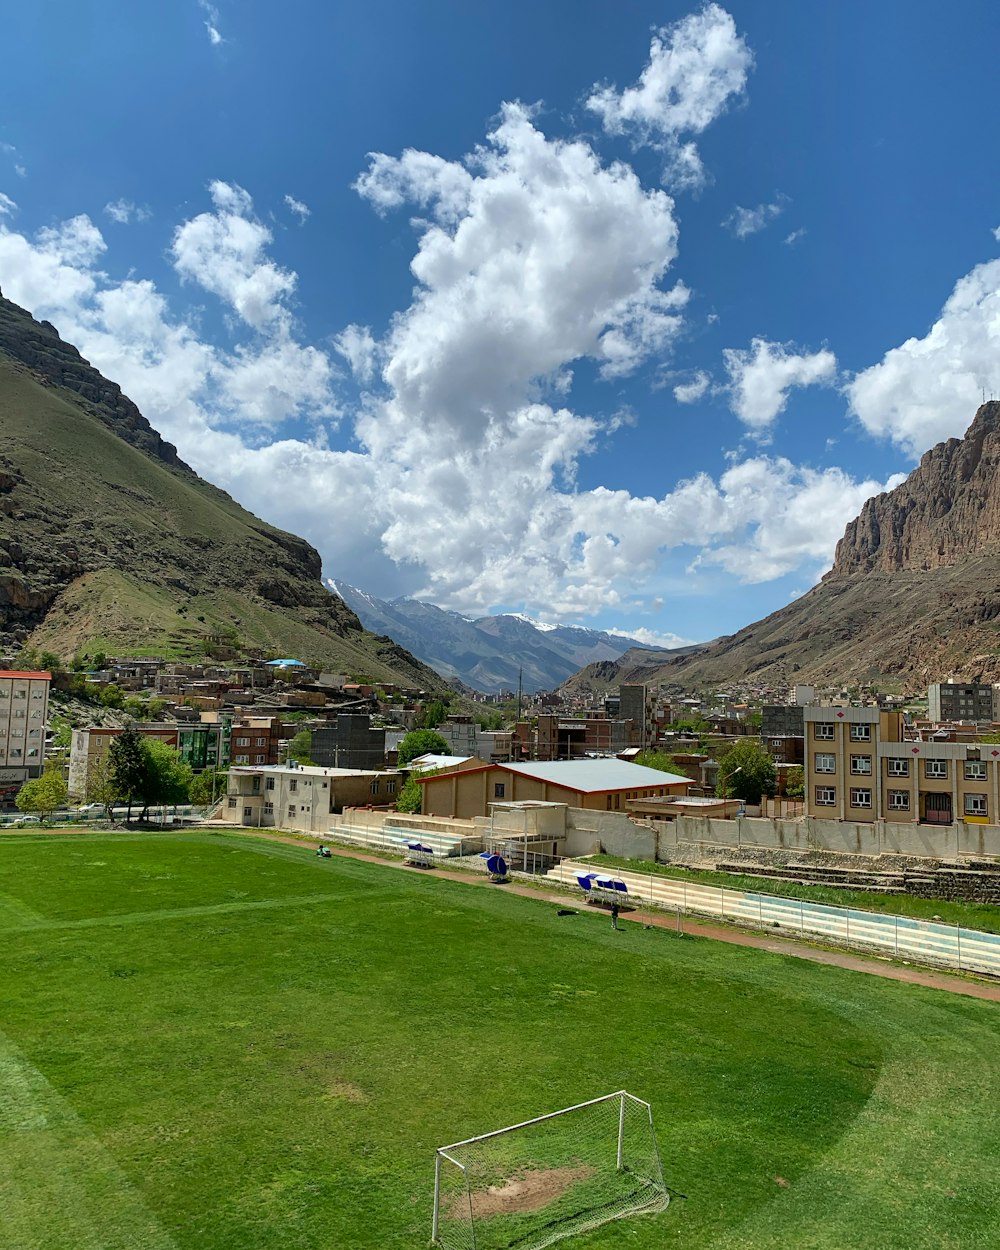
(419, 856)
(599, 889)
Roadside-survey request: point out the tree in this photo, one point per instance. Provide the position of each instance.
(795, 782)
(300, 747)
(167, 776)
(112, 696)
(410, 796)
(101, 787)
(435, 714)
(48, 661)
(746, 772)
(660, 760)
(43, 794)
(206, 786)
(421, 742)
(127, 766)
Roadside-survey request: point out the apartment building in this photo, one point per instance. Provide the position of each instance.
(255, 740)
(860, 768)
(89, 746)
(24, 711)
(962, 701)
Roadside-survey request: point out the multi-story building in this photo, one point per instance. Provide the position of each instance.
(860, 768)
(89, 746)
(24, 709)
(961, 701)
(638, 704)
(350, 742)
(291, 796)
(255, 740)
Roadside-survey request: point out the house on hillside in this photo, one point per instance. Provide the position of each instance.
(598, 784)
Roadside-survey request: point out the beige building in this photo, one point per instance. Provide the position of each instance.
(24, 712)
(291, 796)
(597, 784)
(859, 767)
(88, 747)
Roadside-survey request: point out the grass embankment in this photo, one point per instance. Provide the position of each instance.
(218, 1043)
(984, 916)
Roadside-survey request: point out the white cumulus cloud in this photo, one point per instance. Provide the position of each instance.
(761, 377)
(927, 389)
(695, 68)
(7, 206)
(691, 392)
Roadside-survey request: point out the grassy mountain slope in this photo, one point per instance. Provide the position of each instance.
(108, 543)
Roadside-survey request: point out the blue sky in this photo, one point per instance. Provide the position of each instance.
(612, 314)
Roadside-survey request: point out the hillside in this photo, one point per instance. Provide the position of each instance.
(913, 595)
(488, 653)
(109, 542)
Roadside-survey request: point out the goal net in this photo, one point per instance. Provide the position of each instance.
(560, 1174)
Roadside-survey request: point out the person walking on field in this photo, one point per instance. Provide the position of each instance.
(614, 915)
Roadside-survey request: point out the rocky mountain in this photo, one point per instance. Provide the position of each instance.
(913, 595)
(489, 652)
(109, 542)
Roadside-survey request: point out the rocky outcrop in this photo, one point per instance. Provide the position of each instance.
(947, 510)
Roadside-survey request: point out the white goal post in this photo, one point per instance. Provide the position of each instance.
(554, 1176)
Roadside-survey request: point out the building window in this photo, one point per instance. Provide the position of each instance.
(861, 733)
(861, 798)
(861, 765)
(390, 787)
(242, 759)
(975, 770)
(499, 789)
(374, 787)
(291, 809)
(826, 796)
(975, 805)
(899, 800)
(268, 809)
(897, 768)
(823, 730)
(826, 763)
(242, 742)
(260, 759)
(936, 769)
(262, 742)
(293, 785)
(269, 784)
(232, 802)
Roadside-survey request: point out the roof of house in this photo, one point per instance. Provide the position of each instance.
(596, 776)
(430, 760)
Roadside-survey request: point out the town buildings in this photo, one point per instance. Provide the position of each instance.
(295, 797)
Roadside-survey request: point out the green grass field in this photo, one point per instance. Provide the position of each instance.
(217, 1042)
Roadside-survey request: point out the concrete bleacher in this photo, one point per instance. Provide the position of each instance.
(398, 831)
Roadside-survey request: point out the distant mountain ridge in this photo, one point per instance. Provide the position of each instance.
(489, 652)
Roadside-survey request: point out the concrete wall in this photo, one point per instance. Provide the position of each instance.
(844, 837)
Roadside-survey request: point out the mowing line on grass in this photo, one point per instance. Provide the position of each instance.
(60, 1189)
(183, 913)
(14, 914)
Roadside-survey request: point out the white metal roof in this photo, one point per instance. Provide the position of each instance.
(596, 776)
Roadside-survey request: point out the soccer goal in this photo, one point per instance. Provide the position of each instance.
(557, 1175)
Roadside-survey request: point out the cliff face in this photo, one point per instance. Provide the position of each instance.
(947, 510)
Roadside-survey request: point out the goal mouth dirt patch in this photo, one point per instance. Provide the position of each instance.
(529, 1192)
